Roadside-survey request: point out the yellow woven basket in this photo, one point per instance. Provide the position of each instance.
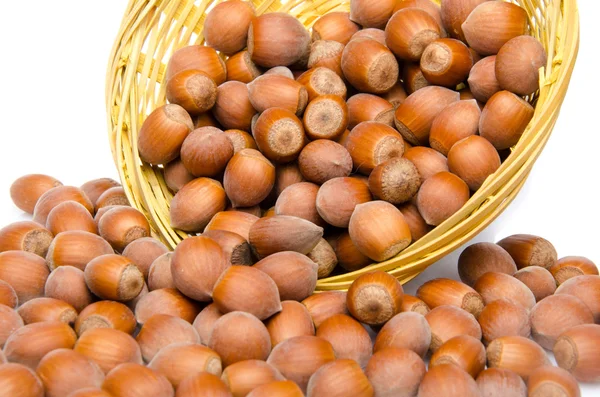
(153, 29)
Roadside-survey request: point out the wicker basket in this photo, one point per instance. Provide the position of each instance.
(153, 29)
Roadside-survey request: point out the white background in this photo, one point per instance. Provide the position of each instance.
(53, 121)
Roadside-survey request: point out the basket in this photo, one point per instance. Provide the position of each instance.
(153, 29)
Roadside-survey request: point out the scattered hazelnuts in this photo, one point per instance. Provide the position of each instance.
(374, 298)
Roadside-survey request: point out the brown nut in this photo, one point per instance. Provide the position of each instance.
(368, 107)
(325, 258)
(197, 264)
(203, 382)
(26, 236)
(349, 257)
(413, 304)
(490, 25)
(67, 283)
(518, 63)
(371, 14)
(464, 351)
(197, 57)
(272, 90)
(56, 196)
(369, 66)
(482, 79)
(374, 298)
(326, 54)
(279, 135)
(294, 274)
(338, 197)
(165, 301)
(249, 178)
(446, 62)
(135, 380)
(293, 320)
(193, 90)
(326, 117)
(341, 377)
(206, 151)
(546, 380)
(47, 309)
(64, 371)
(371, 143)
(239, 336)
(585, 288)
(26, 190)
(407, 330)
(503, 318)
(280, 388)
(159, 275)
(441, 196)
(444, 291)
(323, 160)
(76, 248)
(516, 353)
(113, 277)
(283, 233)
(428, 161)
(555, 315)
(29, 344)
(17, 380)
(493, 286)
(240, 140)
(446, 322)
(25, 272)
(448, 380)
(349, 339)
(123, 225)
(8, 296)
(457, 121)
(162, 134)
(416, 114)
(232, 221)
(10, 321)
(395, 181)
(395, 372)
(325, 305)
(413, 78)
(226, 26)
(409, 31)
(498, 382)
(577, 351)
(322, 81)
(299, 358)
(504, 119)
(144, 251)
(480, 258)
(572, 266)
(396, 95)
(205, 321)
(378, 230)
(529, 250)
(454, 13)
(71, 215)
(241, 68)
(335, 26)
(245, 376)
(300, 200)
(196, 203)
(182, 360)
(538, 280)
(93, 189)
(247, 289)
(162, 330)
(233, 109)
(108, 347)
(106, 314)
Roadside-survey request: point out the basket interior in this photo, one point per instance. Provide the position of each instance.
(153, 30)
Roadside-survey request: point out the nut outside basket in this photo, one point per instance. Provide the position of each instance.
(152, 30)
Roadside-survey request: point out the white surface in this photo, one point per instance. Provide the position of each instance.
(53, 121)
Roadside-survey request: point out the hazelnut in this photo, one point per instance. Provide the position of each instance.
(504, 119)
(162, 330)
(197, 57)
(76, 248)
(67, 283)
(226, 26)
(482, 79)
(71, 215)
(410, 31)
(196, 203)
(395, 181)
(239, 336)
(572, 266)
(338, 197)
(547, 380)
(293, 320)
(299, 200)
(249, 178)
(369, 66)
(413, 304)
(325, 258)
(47, 309)
(284, 233)
(326, 117)
(446, 62)
(498, 382)
(323, 160)
(27, 190)
(518, 63)
(241, 68)
(457, 121)
(491, 24)
(8, 296)
(529, 250)
(245, 376)
(504, 318)
(444, 291)
(585, 288)
(493, 286)
(347, 253)
(413, 78)
(133, 380)
(349, 339)
(480, 258)
(576, 350)
(428, 161)
(371, 143)
(279, 135)
(446, 322)
(205, 321)
(113, 277)
(407, 330)
(374, 298)
(368, 107)
(322, 81)
(441, 196)
(232, 221)
(17, 380)
(56, 196)
(122, 225)
(25, 272)
(247, 289)
(27, 236)
(162, 134)
(538, 280)
(106, 314)
(280, 388)
(326, 54)
(448, 380)
(240, 140)
(10, 321)
(206, 151)
(370, 14)
(464, 351)
(233, 108)
(294, 274)
(428, 6)
(300, 357)
(395, 372)
(236, 248)
(516, 353)
(341, 377)
(272, 90)
(335, 26)
(93, 189)
(108, 348)
(325, 305)
(454, 13)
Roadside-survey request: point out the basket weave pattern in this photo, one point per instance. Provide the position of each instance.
(153, 29)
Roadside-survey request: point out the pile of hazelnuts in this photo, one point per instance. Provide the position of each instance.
(368, 132)
(92, 306)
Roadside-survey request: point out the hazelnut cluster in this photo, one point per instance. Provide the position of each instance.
(374, 125)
